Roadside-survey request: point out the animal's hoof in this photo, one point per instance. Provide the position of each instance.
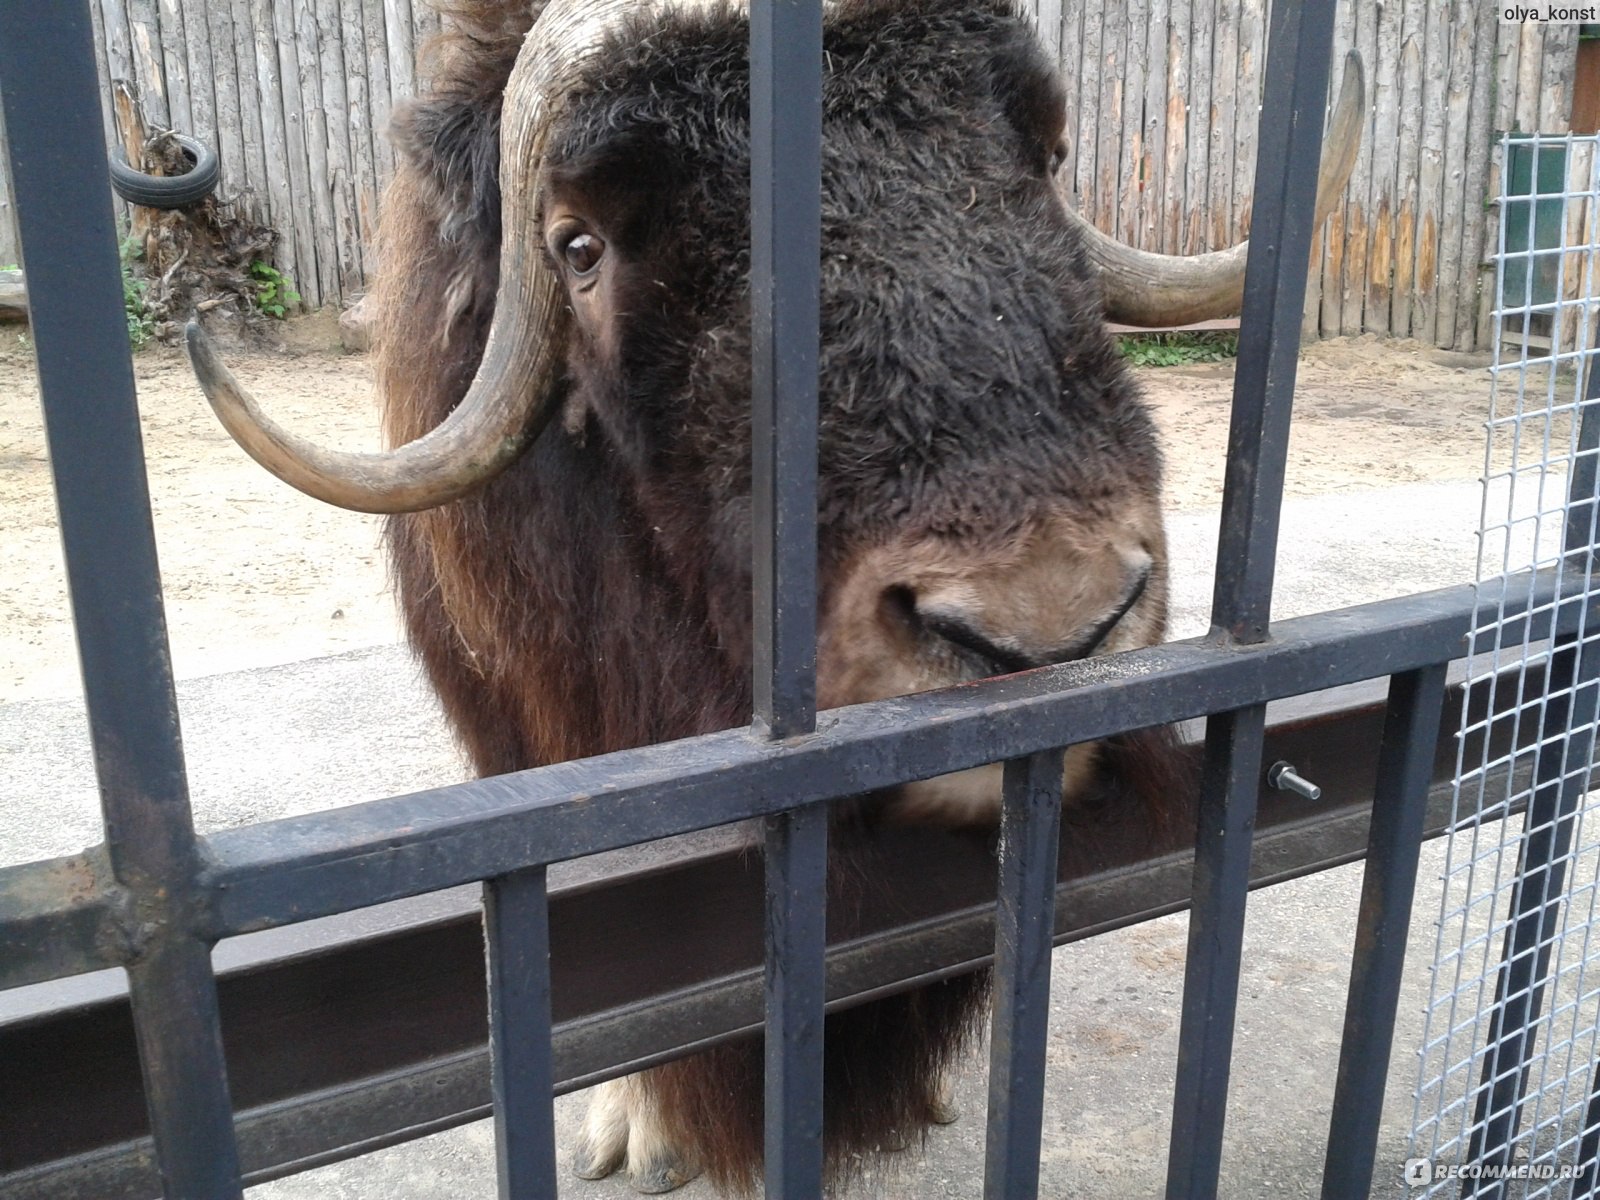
(591, 1161)
(944, 1111)
(661, 1175)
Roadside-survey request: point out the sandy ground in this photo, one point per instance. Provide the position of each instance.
(257, 574)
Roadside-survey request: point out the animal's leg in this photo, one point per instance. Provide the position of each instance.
(624, 1124)
(603, 1142)
(655, 1164)
(942, 1110)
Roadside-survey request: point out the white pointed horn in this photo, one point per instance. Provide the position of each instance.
(509, 400)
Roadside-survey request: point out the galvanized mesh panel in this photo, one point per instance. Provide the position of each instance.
(1507, 1083)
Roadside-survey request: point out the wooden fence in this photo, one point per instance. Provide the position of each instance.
(1167, 95)
(294, 94)
(1164, 99)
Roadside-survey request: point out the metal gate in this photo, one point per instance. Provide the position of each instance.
(155, 898)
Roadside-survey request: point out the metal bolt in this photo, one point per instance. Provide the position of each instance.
(1283, 776)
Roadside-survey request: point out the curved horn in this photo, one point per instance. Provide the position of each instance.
(1145, 288)
(509, 400)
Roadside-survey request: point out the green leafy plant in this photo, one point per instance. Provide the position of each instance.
(141, 325)
(275, 293)
(1177, 349)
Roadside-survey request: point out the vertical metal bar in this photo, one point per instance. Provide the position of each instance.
(1229, 788)
(1561, 775)
(785, 291)
(785, 307)
(1030, 828)
(797, 860)
(179, 1031)
(1289, 146)
(1399, 805)
(48, 86)
(516, 915)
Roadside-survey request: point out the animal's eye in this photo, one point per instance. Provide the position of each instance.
(583, 253)
(1058, 156)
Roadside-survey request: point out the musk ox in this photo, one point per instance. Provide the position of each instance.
(565, 250)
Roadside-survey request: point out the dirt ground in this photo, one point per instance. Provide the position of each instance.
(257, 574)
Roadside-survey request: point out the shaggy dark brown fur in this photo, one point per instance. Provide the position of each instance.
(595, 596)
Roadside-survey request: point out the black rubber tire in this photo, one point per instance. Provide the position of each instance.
(168, 191)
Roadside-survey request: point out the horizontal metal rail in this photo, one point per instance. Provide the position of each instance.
(66, 916)
(284, 871)
(365, 1043)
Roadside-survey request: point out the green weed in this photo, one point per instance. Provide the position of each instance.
(1178, 349)
(141, 325)
(275, 293)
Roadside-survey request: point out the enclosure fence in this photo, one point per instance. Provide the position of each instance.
(1508, 1081)
(155, 897)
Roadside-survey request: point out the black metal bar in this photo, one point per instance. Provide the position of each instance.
(795, 992)
(1399, 810)
(1288, 147)
(289, 870)
(1030, 825)
(785, 307)
(1216, 933)
(516, 914)
(175, 1016)
(48, 85)
(785, 323)
(1565, 752)
(66, 916)
(63, 918)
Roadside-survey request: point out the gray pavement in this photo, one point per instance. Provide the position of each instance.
(331, 731)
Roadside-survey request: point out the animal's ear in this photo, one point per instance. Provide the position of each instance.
(1030, 93)
(453, 142)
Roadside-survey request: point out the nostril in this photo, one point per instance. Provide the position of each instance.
(955, 629)
(938, 627)
(900, 606)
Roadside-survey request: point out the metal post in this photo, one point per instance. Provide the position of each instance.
(1290, 144)
(1229, 786)
(1388, 883)
(48, 86)
(1030, 831)
(516, 915)
(785, 288)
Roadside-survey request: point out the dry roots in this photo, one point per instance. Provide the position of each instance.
(197, 259)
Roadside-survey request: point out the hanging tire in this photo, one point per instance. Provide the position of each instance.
(168, 191)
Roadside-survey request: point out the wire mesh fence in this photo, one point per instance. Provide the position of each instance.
(1508, 1097)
